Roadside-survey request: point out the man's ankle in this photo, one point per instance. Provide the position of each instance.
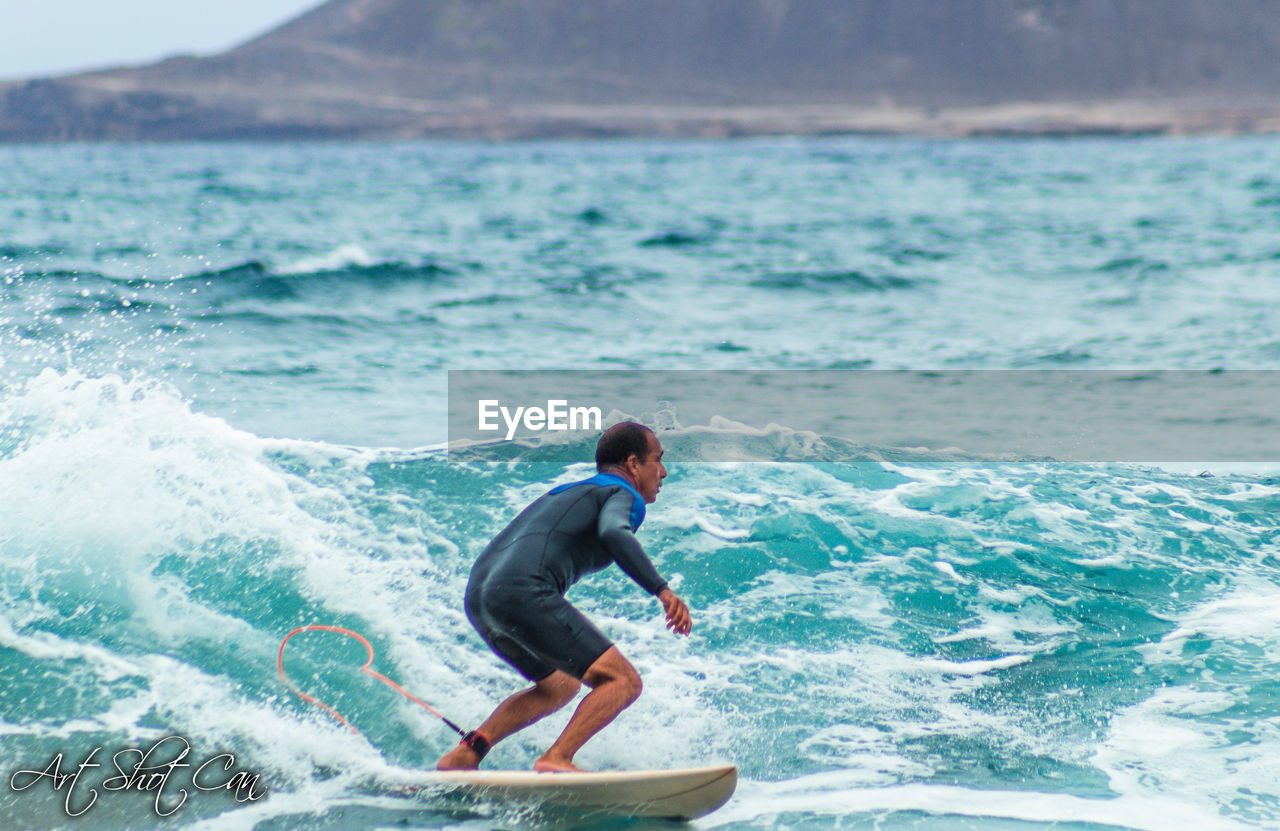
(460, 758)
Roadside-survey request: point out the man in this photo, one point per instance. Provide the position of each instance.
(515, 599)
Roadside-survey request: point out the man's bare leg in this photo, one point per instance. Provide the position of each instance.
(615, 684)
(518, 711)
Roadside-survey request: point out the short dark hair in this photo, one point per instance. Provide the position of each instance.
(620, 442)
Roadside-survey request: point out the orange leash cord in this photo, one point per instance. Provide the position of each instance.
(366, 669)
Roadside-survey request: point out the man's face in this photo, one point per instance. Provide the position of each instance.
(649, 474)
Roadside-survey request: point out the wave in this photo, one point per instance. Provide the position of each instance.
(256, 280)
(13, 251)
(81, 291)
(842, 280)
(906, 628)
(1133, 266)
(675, 239)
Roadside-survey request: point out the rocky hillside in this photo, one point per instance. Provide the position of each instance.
(402, 68)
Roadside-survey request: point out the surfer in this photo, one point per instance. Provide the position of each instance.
(515, 599)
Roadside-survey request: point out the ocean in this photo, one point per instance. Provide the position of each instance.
(224, 374)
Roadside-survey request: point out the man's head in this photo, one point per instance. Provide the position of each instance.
(632, 451)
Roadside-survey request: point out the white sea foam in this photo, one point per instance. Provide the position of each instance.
(1183, 741)
(842, 794)
(1249, 616)
(344, 256)
(680, 517)
(949, 570)
(866, 754)
(47, 646)
(1032, 627)
(972, 668)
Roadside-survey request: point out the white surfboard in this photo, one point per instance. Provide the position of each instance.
(672, 794)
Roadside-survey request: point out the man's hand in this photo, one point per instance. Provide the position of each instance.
(678, 619)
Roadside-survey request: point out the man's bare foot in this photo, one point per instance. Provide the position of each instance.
(547, 764)
(460, 758)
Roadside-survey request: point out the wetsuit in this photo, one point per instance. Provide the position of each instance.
(515, 598)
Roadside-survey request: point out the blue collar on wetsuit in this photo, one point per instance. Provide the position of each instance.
(637, 506)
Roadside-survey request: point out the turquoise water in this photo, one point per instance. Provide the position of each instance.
(223, 374)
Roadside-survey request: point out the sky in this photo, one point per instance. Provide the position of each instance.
(52, 37)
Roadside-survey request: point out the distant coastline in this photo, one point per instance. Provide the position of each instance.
(66, 111)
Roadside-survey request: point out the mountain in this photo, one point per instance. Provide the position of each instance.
(504, 68)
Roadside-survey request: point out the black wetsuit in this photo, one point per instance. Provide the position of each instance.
(515, 597)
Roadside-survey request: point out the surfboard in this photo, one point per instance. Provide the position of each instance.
(669, 794)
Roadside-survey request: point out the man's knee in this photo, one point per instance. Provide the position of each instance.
(627, 682)
(634, 686)
(612, 668)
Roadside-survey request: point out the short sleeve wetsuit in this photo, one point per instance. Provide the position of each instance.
(515, 597)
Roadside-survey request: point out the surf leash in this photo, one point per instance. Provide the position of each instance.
(473, 739)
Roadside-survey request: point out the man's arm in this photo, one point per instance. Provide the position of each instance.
(620, 541)
(614, 527)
